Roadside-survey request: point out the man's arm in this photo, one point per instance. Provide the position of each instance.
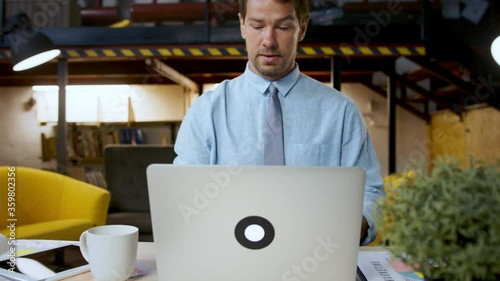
(357, 150)
(193, 143)
(364, 229)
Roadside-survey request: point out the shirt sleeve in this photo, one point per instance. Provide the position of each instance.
(193, 145)
(357, 150)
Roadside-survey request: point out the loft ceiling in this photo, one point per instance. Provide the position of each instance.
(135, 71)
(361, 41)
(92, 65)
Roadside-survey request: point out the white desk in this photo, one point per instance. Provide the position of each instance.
(146, 260)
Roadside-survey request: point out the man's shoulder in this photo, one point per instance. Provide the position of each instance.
(222, 88)
(216, 97)
(323, 91)
(211, 95)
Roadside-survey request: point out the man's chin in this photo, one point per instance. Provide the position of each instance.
(270, 70)
(271, 75)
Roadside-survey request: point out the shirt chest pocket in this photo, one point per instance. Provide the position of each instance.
(312, 155)
(241, 154)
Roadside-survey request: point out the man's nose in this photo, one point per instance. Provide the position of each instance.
(269, 39)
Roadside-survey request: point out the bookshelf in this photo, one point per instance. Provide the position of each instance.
(86, 143)
(97, 117)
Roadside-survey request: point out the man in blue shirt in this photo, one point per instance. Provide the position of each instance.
(320, 126)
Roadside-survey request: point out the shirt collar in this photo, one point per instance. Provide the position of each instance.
(284, 85)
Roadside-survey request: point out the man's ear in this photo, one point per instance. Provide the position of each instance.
(243, 30)
(303, 29)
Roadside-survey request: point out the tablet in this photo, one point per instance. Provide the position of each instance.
(49, 265)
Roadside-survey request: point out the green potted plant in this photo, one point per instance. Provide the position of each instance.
(446, 224)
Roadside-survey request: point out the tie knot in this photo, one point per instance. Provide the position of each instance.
(272, 89)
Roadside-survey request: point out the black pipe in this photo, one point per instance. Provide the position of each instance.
(207, 20)
(2, 4)
(424, 24)
(62, 81)
(2, 11)
(336, 72)
(391, 113)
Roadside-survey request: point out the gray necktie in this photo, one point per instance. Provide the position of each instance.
(274, 153)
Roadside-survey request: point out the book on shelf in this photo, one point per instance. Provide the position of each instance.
(89, 142)
(48, 148)
(131, 136)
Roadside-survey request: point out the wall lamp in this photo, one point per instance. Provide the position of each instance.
(29, 47)
(495, 50)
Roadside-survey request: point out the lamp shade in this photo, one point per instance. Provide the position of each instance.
(495, 50)
(29, 47)
(34, 51)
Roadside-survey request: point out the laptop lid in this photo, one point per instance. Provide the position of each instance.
(256, 223)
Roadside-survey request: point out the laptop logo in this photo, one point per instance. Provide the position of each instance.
(254, 232)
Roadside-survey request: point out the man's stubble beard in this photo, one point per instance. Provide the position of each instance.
(275, 71)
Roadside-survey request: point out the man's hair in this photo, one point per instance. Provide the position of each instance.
(301, 8)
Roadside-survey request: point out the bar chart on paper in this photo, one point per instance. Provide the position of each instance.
(378, 266)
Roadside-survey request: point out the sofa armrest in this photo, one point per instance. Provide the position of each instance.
(68, 229)
(83, 200)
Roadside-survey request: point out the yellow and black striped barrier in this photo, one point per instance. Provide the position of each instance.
(363, 51)
(303, 51)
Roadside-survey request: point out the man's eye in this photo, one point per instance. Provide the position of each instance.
(256, 27)
(284, 27)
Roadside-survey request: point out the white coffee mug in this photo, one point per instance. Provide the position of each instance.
(111, 251)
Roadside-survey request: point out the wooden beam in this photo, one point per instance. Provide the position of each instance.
(173, 74)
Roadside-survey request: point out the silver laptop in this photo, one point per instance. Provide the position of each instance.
(256, 223)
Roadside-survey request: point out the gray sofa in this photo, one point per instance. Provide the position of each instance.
(125, 169)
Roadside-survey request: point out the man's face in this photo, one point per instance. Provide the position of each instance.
(272, 31)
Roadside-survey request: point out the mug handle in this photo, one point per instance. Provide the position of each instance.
(83, 245)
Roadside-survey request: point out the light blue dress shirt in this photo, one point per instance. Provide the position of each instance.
(321, 127)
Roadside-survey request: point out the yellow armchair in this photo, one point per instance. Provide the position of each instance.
(48, 205)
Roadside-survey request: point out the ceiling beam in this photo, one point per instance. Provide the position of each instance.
(407, 34)
(173, 74)
(201, 72)
(368, 7)
(155, 78)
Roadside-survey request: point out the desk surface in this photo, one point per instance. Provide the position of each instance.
(146, 261)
